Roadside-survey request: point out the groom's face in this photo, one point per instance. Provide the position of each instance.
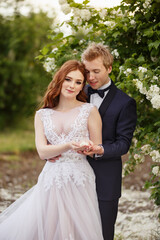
(97, 74)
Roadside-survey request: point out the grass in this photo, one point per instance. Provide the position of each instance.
(18, 139)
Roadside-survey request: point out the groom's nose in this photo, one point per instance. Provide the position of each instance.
(91, 76)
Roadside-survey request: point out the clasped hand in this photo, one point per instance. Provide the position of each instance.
(86, 148)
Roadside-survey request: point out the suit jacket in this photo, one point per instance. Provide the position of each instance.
(118, 113)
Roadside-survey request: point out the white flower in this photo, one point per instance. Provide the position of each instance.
(135, 141)
(139, 85)
(154, 59)
(85, 14)
(83, 30)
(115, 53)
(155, 155)
(146, 3)
(132, 22)
(155, 170)
(146, 148)
(109, 23)
(128, 71)
(77, 21)
(154, 88)
(49, 64)
(156, 101)
(77, 12)
(142, 69)
(81, 41)
(54, 50)
(103, 13)
(139, 158)
(65, 8)
(121, 68)
(61, 2)
(155, 77)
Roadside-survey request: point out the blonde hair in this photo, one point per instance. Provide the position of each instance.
(95, 50)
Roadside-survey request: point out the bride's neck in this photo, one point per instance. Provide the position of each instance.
(66, 104)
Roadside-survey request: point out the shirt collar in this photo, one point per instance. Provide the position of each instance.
(105, 85)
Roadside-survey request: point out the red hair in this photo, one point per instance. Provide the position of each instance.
(51, 97)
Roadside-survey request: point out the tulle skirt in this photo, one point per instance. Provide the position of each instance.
(66, 213)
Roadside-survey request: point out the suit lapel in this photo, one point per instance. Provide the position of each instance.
(107, 100)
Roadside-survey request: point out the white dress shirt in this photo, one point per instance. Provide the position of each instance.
(95, 99)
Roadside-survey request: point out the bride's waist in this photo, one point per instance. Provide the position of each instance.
(71, 157)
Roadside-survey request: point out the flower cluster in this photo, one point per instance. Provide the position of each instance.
(83, 30)
(142, 69)
(155, 156)
(127, 71)
(49, 64)
(147, 3)
(146, 149)
(110, 24)
(156, 171)
(153, 94)
(102, 13)
(65, 7)
(81, 15)
(115, 53)
(139, 158)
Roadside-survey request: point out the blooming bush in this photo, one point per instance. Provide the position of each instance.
(132, 32)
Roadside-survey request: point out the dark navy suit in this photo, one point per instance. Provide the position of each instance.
(118, 113)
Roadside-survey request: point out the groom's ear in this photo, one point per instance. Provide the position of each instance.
(109, 69)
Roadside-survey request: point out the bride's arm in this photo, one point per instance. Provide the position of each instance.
(95, 131)
(47, 151)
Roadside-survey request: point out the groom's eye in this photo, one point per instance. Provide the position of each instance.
(96, 71)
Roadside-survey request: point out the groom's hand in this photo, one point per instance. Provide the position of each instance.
(96, 149)
(54, 158)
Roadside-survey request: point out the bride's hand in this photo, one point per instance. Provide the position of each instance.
(82, 146)
(96, 149)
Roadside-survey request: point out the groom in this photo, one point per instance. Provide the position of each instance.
(118, 113)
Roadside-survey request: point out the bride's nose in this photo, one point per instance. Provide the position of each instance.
(72, 84)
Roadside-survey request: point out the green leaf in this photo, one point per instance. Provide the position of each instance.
(39, 57)
(45, 50)
(154, 45)
(149, 32)
(157, 124)
(116, 34)
(85, 2)
(141, 59)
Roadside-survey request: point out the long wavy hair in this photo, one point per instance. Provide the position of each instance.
(51, 97)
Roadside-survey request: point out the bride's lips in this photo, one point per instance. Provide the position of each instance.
(69, 91)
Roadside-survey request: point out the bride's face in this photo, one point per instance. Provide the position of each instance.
(72, 84)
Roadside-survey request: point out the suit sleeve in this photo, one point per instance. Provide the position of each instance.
(126, 124)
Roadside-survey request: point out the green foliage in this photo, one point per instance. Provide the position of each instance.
(22, 78)
(132, 31)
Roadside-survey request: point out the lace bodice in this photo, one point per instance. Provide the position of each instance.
(62, 127)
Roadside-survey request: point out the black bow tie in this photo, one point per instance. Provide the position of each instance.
(100, 91)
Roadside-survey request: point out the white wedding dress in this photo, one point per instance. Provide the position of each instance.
(63, 204)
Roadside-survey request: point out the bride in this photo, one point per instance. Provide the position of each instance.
(63, 204)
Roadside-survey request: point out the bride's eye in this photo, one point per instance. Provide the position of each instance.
(67, 79)
(79, 83)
